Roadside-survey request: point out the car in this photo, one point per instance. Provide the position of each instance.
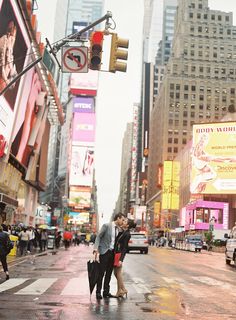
(196, 240)
(230, 251)
(138, 242)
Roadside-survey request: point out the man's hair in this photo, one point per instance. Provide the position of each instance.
(118, 215)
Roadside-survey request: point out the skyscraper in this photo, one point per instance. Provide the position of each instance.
(198, 84)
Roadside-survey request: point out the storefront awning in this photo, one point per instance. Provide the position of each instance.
(8, 200)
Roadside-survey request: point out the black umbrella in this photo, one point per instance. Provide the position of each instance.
(93, 268)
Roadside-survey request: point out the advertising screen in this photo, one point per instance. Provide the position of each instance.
(170, 193)
(79, 198)
(214, 158)
(78, 217)
(83, 129)
(84, 105)
(14, 44)
(82, 164)
(84, 83)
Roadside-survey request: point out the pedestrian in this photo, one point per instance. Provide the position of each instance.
(121, 247)
(31, 239)
(24, 239)
(67, 237)
(104, 245)
(4, 250)
(58, 240)
(44, 238)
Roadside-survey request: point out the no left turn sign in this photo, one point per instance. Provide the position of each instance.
(74, 59)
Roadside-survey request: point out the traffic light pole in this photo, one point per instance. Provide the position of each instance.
(57, 46)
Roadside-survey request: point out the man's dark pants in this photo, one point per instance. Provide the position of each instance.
(106, 267)
(3, 259)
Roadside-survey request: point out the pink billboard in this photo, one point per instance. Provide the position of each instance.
(83, 129)
(81, 167)
(84, 83)
(14, 45)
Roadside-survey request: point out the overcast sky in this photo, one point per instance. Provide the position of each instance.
(117, 92)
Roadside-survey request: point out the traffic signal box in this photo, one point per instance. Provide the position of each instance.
(118, 54)
(96, 41)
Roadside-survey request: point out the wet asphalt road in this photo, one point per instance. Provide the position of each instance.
(165, 284)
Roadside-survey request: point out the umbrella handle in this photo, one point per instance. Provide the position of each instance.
(96, 256)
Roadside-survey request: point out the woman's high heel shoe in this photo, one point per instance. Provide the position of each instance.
(121, 293)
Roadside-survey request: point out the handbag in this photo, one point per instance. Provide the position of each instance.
(117, 259)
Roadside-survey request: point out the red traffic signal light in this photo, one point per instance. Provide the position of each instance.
(96, 41)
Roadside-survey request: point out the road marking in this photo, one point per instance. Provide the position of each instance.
(139, 286)
(7, 285)
(76, 287)
(185, 286)
(217, 283)
(38, 287)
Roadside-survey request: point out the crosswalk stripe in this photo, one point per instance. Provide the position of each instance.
(38, 287)
(12, 283)
(75, 287)
(139, 285)
(217, 283)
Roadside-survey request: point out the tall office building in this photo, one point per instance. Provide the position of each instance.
(198, 84)
(164, 48)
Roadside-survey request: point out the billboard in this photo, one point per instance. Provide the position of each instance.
(84, 83)
(213, 154)
(81, 168)
(14, 45)
(83, 132)
(79, 198)
(157, 214)
(84, 105)
(78, 217)
(170, 191)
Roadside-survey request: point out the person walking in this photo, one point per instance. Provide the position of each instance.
(104, 246)
(44, 238)
(24, 239)
(121, 247)
(4, 250)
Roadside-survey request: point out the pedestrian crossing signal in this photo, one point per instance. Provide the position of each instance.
(96, 42)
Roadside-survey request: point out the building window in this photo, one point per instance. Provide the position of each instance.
(169, 140)
(192, 114)
(185, 114)
(184, 141)
(212, 17)
(227, 18)
(199, 15)
(186, 87)
(201, 107)
(191, 15)
(193, 88)
(185, 123)
(205, 16)
(169, 149)
(175, 150)
(170, 121)
(185, 96)
(177, 87)
(176, 140)
(172, 86)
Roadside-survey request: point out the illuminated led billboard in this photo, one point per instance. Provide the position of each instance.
(214, 158)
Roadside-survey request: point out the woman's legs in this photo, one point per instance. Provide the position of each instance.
(120, 282)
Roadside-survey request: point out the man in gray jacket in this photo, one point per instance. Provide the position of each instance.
(104, 245)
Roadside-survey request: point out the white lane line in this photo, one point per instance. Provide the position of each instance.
(7, 285)
(217, 283)
(185, 286)
(139, 286)
(38, 287)
(76, 287)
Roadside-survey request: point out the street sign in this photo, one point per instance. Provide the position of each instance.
(74, 59)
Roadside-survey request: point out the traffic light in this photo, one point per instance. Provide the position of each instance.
(118, 54)
(96, 41)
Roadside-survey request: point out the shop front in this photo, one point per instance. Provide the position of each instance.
(205, 215)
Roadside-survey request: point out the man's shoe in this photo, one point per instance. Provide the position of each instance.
(108, 295)
(98, 296)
